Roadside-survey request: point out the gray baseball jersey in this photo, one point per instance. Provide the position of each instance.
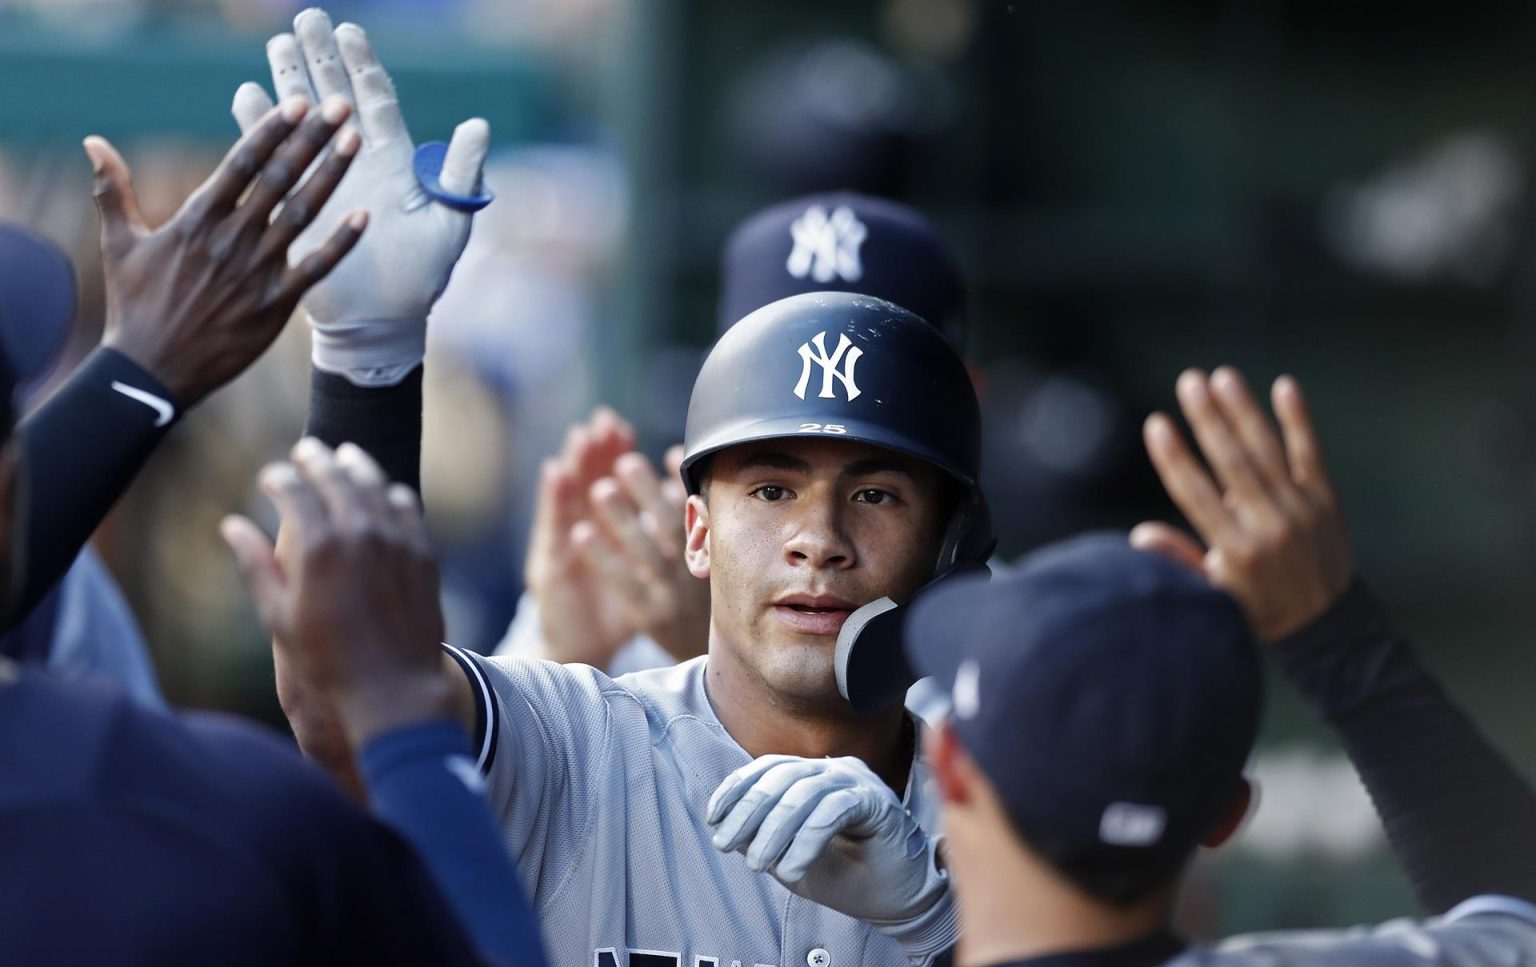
(600, 785)
(1482, 932)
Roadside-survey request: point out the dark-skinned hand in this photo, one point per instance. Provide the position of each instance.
(352, 601)
(197, 300)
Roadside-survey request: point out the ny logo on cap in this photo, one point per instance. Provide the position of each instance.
(846, 353)
(827, 246)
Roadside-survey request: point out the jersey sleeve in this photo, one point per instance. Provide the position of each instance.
(546, 748)
(1486, 931)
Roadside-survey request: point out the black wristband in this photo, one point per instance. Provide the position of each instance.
(82, 448)
(385, 421)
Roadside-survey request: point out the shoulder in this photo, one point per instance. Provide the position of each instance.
(1483, 930)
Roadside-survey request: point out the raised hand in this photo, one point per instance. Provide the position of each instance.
(370, 317)
(582, 621)
(197, 300)
(634, 545)
(1275, 536)
(353, 602)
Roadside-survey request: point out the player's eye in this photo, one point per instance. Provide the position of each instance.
(873, 495)
(770, 492)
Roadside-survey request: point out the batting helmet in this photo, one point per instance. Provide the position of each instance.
(849, 367)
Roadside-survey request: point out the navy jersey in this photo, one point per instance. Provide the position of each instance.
(130, 836)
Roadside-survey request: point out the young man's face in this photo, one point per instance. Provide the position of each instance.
(794, 535)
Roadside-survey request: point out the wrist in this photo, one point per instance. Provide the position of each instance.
(379, 352)
(370, 708)
(153, 368)
(935, 928)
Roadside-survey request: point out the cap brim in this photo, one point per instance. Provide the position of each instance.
(941, 627)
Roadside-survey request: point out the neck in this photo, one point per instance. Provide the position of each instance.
(1016, 907)
(764, 721)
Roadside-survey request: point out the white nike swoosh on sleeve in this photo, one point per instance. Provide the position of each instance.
(160, 406)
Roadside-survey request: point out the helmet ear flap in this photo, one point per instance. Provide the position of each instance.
(968, 540)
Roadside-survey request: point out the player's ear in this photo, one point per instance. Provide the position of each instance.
(696, 523)
(1242, 798)
(949, 763)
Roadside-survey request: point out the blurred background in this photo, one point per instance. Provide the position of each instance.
(1340, 191)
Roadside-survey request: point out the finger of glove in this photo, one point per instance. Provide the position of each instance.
(734, 785)
(832, 815)
(319, 263)
(250, 105)
(289, 163)
(784, 820)
(300, 210)
(465, 158)
(322, 57)
(741, 824)
(378, 107)
(289, 76)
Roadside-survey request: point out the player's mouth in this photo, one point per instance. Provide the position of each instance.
(813, 614)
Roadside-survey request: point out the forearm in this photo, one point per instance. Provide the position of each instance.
(82, 450)
(421, 780)
(1460, 820)
(384, 420)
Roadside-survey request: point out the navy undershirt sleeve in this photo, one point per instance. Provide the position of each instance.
(422, 781)
(82, 448)
(384, 420)
(1459, 818)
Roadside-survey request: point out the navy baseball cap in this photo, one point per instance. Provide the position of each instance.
(37, 304)
(1111, 696)
(842, 242)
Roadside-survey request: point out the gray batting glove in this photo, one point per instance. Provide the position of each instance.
(832, 832)
(369, 316)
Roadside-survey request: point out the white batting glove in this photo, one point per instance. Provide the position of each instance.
(832, 832)
(370, 315)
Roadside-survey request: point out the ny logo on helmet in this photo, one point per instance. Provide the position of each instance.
(827, 246)
(846, 353)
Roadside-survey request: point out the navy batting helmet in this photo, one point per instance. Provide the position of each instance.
(849, 367)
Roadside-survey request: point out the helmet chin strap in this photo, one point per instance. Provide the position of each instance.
(870, 661)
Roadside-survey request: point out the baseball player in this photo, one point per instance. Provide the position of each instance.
(626, 605)
(1142, 669)
(196, 839)
(831, 457)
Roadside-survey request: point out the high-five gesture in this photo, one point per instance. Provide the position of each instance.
(197, 300)
(1275, 536)
(353, 596)
(369, 317)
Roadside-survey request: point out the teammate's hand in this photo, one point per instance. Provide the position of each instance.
(370, 317)
(581, 619)
(354, 601)
(832, 832)
(634, 544)
(1275, 536)
(197, 300)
